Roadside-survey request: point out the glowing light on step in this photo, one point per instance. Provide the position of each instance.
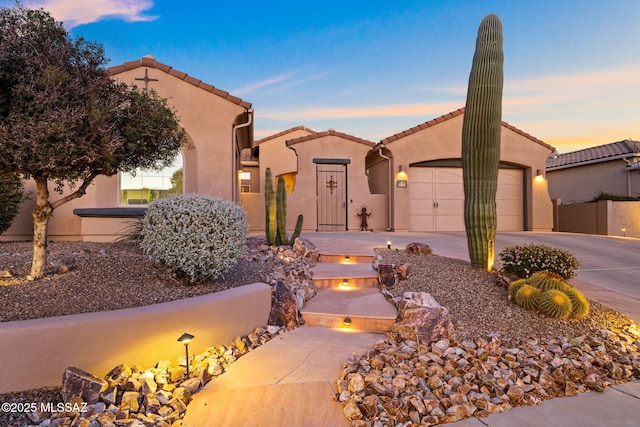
(347, 321)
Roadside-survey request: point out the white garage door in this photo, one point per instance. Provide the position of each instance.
(436, 199)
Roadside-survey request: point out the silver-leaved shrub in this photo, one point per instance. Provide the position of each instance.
(525, 260)
(200, 236)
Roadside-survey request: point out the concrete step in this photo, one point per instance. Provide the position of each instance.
(346, 258)
(367, 309)
(331, 275)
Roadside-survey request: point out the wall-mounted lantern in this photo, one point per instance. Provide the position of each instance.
(402, 178)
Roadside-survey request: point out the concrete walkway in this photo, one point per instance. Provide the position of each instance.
(290, 381)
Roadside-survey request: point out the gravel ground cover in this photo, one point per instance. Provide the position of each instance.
(90, 277)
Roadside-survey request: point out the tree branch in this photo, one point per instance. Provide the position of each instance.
(81, 191)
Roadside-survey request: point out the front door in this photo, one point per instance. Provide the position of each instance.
(331, 196)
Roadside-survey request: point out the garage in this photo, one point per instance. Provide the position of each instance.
(436, 199)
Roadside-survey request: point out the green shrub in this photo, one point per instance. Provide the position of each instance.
(524, 260)
(11, 197)
(614, 197)
(197, 235)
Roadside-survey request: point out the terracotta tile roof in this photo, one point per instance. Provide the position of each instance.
(284, 132)
(150, 62)
(600, 153)
(329, 132)
(451, 115)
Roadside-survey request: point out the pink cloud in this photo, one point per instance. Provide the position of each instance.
(78, 12)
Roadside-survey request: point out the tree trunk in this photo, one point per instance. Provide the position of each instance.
(41, 214)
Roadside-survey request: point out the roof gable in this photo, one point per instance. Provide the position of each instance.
(284, 132)
(449, 116)
(150, 62)
(330, 132)
(600, 153)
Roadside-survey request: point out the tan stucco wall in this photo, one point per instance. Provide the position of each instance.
(275, 154)
(98, 342)
(444, 141)
(605, 217)
(607, 177)
(358, 194)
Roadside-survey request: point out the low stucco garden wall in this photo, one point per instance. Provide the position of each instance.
(35, 353)
(605, 217)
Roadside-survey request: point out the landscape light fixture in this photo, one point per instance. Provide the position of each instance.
(347, 258)
(389, 244)
(186, 339)
(345, 282)
(347, 321)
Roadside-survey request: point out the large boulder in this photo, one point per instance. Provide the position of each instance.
(418, 249)
(304, 248)
(82, 385)
(284, 311)
(423, 319)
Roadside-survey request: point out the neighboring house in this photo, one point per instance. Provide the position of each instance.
(411, 181)
(218, 126)
(580, 176)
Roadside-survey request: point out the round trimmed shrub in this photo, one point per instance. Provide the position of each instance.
(11, 197)
(524, 260)
(528, 297)
(197, 235)
(556, 304)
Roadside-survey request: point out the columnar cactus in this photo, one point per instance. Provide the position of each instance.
(481, 142)
(270, 208)
(276, 213)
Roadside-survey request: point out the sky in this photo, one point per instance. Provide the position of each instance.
(373, 68)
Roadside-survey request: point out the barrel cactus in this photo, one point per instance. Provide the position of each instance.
(528, 297)
(481, 142)
(555, 304)
(515, 286)
(546, 280)
(579, 304)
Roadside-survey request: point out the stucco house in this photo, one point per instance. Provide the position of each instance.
(218, 126)
(610, 168)
(578, 177)
(410, 181)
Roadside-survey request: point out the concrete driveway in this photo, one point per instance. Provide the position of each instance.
(610, 270)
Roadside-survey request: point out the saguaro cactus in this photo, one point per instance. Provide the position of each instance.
(270, 208)
(481, 142)
(281, 214)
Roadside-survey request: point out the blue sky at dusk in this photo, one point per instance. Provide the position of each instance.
(375, 68)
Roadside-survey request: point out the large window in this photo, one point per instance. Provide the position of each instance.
(146, 186)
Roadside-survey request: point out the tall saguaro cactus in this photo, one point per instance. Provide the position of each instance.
(481, 142)
(270, 208)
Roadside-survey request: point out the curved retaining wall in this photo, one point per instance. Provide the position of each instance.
(35, 353)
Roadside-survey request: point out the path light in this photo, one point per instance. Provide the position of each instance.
(186, 339)
(389, 244)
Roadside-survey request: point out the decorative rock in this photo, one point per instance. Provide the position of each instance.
(284, 309)
(304, 248)
(422, 318)
(387, 275)
(418, 249)
(78, 383)
(6, 274)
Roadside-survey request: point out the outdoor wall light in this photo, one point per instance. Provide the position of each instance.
(389, 244)
(186, 339)
(347, 321)
(402, 177)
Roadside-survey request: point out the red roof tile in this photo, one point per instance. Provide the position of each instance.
(600, 153)
(150, 62)
(451, 115)
(284, 132)
(329, 132)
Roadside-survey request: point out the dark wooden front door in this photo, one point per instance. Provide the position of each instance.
(331, 195)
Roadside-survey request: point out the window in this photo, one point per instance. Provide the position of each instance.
(146, 186)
